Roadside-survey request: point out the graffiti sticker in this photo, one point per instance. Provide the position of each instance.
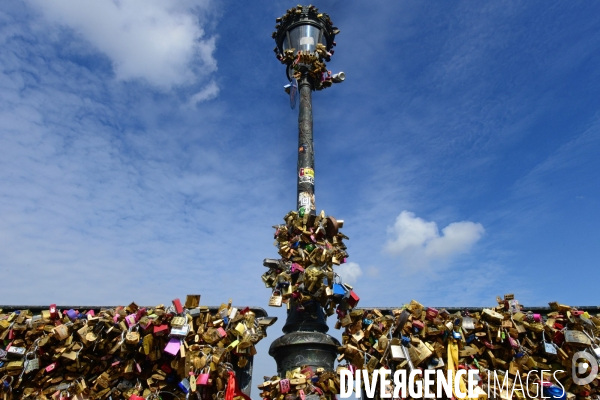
(307, 175)
(307, 200)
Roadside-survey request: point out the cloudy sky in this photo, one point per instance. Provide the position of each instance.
(147, 147)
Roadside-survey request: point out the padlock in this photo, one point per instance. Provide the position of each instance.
(276, 299)
(173, 346)
(180, 332)
(131, 320)
(338, 291)
(15, 352)
(178, 306)
(31, 364)
(184, 385)
(203, 378)
(178, 321)
(397, 353)
(284, 386)
(161, 330)
(53, 311)
(72, 314)
(577, 338)
(61, 332)
(352, 299)
(192, 301)
(132, 337)
(51, 367)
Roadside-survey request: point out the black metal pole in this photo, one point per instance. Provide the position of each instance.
(306, 153)
(305, 341)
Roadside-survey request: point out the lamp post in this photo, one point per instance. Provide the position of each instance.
(305, 38)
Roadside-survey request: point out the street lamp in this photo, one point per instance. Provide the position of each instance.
(305, 41)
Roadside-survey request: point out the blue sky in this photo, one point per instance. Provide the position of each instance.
(147, 147)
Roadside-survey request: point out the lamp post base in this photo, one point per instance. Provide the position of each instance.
(298, 349)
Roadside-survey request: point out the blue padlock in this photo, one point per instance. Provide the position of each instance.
(339, 291)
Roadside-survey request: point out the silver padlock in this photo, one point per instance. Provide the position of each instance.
(468, 323)
(15, 352)
(397, 354)
(180, 332)
(549, 348)
(31, 364)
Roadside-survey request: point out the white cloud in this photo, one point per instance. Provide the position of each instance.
(209, 92)
(160, 41)
(349, 272)
(420, 242)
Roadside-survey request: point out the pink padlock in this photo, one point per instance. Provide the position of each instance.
(537, 317)
(131, 320)
(140, 313)
(203, 378)
(301, 394)
(284, 385)
(221, 332)
(173, 346)
(51, 367)
(296, 268)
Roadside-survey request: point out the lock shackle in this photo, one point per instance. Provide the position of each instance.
(80, 349)
(338, 277)
(4, 380)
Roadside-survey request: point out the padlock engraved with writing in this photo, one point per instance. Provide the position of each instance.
(276, 299)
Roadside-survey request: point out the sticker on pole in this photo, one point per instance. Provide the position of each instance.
(306, 200)
(307, 175)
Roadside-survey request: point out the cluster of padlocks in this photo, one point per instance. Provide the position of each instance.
(128, 352)
(502, 341)
(309, 246)
(312, 62)
(302, 383)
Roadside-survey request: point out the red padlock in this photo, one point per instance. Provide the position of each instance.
(352, 299)
(136, 397)
(53, 311)
(418, 324)
(245, 310)
(431, 313)
(160, 330)
(178, 306)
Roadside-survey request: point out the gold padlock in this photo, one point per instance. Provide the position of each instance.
(276, 299)
(132, 337)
